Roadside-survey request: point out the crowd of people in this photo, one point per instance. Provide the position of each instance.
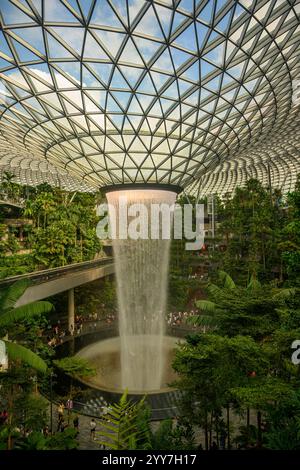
(91, 322)
(83, 324)
(178, 318)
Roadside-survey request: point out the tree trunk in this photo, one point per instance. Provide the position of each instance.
(217, 430)
(248, 425)
(259, 431)
(206, 432)
(228, 427)
(210, 430)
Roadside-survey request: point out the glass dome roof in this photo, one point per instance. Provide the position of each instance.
(185, 92)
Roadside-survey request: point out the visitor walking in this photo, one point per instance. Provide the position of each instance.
(76, 424)
(93, 426)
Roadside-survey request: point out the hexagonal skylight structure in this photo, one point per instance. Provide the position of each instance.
(179, 92)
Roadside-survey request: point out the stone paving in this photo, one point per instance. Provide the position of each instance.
(84, 439)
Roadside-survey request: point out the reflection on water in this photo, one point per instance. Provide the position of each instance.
(105, 357)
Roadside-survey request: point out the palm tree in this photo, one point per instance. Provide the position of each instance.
(9, 315)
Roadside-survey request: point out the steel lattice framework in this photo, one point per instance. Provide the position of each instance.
(200, 94)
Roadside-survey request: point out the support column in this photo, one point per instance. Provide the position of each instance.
(71, 310)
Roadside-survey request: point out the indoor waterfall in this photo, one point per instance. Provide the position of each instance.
(142, 284)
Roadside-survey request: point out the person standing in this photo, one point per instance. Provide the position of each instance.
(93, 426)
(76, 424)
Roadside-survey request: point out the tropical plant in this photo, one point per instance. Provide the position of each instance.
(121, 428)
(10, 314)
(232, 310)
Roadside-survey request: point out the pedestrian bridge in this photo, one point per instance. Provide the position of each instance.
(52, 281)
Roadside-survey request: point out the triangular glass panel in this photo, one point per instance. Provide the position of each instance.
(147, 48)
(40, 86)
(214, 84)
(130, 54)
(156, 110)
(111, 41)
(104, 15)
(175, 114)
(118, 81)
(111, 105)
(98, 96)
(134, 107)
(202, 34)
(135, 121)
(183, 86)
(178, 19)
(147, 85)
(251, 85)
(74, 97)
(187, 5)
(224, 23)
(85, 6)
(92, 49)
(150, 24)
(193, 98)
(121, 9)
(205, 14)
(90, 106)
(4, 46)
(33, 36)
(171, 91)
(187, 39)
(192, 72)
(72, 36)
(216, 55)
(164, 17)
(179, 57)
(144, 100)
(131, 74)
(71, 69)
(122, 98)
(56, 11)
(88, 79)
(164, 62)
(64, 82)
(24, 54)
(166, 104)
(206, 68)
(102, 70)
(56, 50)
(13, 15)
(159, 79)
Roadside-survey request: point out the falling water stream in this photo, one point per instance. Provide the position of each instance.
(142, 276)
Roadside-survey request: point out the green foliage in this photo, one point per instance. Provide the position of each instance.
(24, 312)
(251, 310)
(65, 440)
(65, 227)
(17, 352)
(32, 408)
(121, 427)
(290, 243)
(75, 366)
(10, 315)
(251, 224)
(170, 436)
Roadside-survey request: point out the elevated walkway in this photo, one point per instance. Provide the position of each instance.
(55, 280)
(12, 202)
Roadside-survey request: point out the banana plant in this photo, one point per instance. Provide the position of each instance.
(10, 314)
